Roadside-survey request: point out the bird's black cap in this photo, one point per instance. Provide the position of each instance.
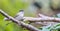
(21, 10)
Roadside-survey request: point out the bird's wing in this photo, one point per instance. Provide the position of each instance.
(16, 15)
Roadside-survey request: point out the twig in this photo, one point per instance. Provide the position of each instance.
(48, 19)
(29, 27)
(45, 23)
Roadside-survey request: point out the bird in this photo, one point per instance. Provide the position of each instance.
(19, 16)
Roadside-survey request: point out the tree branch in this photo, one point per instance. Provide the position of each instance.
(42, 18)
(45, 23)
(29, 27)
(46, 19)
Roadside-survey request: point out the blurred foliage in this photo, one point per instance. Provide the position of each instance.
(55, 3)
(12, 6)
(55, 27)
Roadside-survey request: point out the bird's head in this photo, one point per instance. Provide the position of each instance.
(21, 10)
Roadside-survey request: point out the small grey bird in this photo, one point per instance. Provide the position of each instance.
(19, 16)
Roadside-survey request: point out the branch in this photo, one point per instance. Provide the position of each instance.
(29, 27)
(43, 16)
(45, 23)
(47, 19)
